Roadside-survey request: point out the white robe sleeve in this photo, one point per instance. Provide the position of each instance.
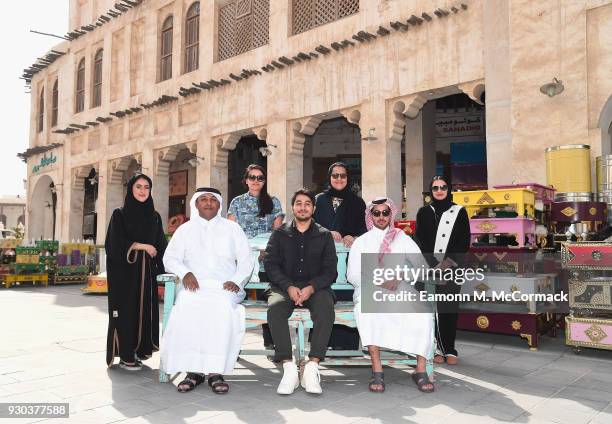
(174, 258)
(412, 251)
(244, 261)
(353, 272)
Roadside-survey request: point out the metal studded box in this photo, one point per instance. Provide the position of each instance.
(592, 295)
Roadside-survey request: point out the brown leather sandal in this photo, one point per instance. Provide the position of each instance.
(421, 379)
(377, 382)
(192, 380)
(218, 384)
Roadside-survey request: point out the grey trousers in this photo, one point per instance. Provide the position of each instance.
(280, 308)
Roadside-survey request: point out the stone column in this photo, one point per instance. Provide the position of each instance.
(221, 147)
(77, 198)
(291, 158)
(102, 210)
(279, 25)
(160, 162)
(498, 82)
(112, 186)
(414, 156)
(284, 168)
(203, 170)
(381, 158)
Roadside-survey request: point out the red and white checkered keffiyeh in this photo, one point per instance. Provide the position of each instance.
(392, 232)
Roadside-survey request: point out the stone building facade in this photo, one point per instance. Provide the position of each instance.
(168, 86)
(12, 211)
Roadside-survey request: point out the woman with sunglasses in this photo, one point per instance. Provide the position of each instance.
(342, 212)
(338, 209)
(257, 212)
(443, 234)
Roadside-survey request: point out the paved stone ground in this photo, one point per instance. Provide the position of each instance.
(52, 350)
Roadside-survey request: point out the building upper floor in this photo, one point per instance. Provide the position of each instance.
(126, 54)
(285, 59)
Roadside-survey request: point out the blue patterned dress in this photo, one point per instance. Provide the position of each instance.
(245, 209)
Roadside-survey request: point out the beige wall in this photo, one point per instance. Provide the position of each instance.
(12, 209)
(510, 47)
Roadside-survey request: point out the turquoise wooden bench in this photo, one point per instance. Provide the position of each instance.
(256, 314)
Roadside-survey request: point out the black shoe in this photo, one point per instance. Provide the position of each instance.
(131, 367)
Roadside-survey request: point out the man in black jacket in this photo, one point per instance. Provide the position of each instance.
(301, 264)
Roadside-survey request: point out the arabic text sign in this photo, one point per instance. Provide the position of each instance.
(459, 125)
(44, 162)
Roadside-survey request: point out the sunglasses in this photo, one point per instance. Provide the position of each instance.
(259, 178)
(439, 188)
(377, 213)
(339, 176)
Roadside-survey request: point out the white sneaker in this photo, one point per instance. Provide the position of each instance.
(311, 379)
(290, 380)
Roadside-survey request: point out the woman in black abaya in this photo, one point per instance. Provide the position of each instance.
(135, 245)
(342, 212)
(443, 230)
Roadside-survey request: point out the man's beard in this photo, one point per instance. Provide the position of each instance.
(384, 228)
(300, 219)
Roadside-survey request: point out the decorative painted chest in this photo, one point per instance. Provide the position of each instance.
(523, 228)
(544, 195)
(521, 199)
(517, 260)
(496, 283)
(593, 215)
(527, 319)
(590, 294)
(527, 326)
(588, 332)
(587, 256)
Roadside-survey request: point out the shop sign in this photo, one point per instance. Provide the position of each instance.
(44, 162)
(459, 125)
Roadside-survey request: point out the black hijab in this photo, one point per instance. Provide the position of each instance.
(441, 206)
(349, 218)
(346, 191)
(140, 217)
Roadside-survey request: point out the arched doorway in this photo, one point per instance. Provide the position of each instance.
(605, 124)
(602, 186)
(335, 139)
(90, 211)
(181, 183)
(83, 201)
(43, 209)
(448, 138)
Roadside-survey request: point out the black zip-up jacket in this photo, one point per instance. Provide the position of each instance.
(301, 259)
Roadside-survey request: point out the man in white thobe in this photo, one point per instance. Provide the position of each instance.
(211, 255)
(404, 332)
